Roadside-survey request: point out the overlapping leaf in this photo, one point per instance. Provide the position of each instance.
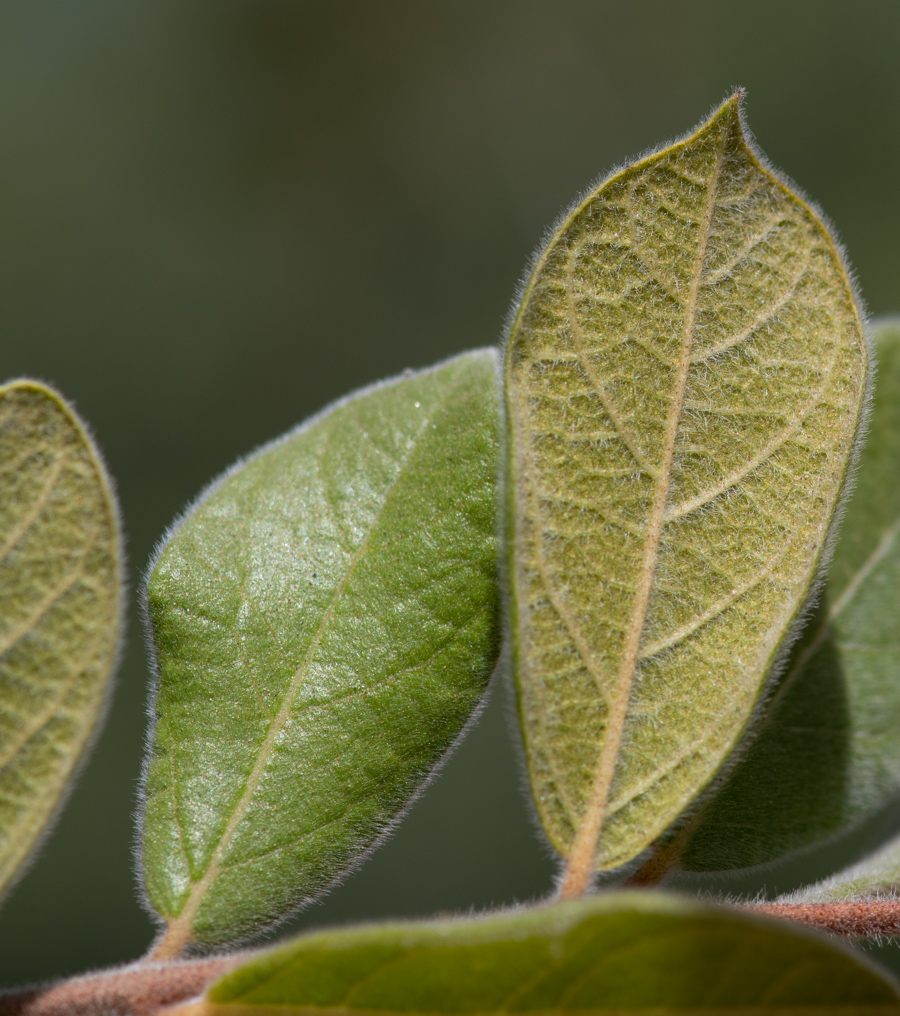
(60, 607)
(876, 876)
(613, 953)
(325, 621)
(684, 382)
(828, 754)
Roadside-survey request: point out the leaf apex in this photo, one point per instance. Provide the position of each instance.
(730, 114)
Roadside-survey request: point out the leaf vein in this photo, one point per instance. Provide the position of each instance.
(765, 453)
(40, 720)
(760, 237)
(763, 318)
(34, 512)
(43, 605)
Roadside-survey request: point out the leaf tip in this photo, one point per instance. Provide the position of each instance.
(730, 113)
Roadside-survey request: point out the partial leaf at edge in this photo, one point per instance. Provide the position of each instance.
(685, 377)
(60, 608)
(325, 622)
(611, 953)
(876, 876)
(827, 756)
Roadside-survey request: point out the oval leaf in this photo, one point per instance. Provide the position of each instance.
(684, 381)
(610, 953)
(828, 753)
(60, 608)
(325, 621)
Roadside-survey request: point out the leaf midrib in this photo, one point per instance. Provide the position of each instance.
(581, 859)
(178, 933)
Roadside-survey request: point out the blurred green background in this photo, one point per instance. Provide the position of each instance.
(218, 216)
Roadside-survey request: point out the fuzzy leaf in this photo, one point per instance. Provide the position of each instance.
(684, 381)
(827, 756)
(60, 608)
(876, 876)
(325, 621)
(611, 953)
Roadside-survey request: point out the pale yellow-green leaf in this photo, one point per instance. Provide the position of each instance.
(60, 607)
(685, 375)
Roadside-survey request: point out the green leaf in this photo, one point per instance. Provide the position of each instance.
(60, 608)
(828, 753)
(684, 380)
(325, 622)
(610, 953)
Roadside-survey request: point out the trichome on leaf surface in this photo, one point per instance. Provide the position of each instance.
(645, 488)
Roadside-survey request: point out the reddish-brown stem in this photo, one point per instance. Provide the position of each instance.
(657, 866)
(855, 918)
(140, 989)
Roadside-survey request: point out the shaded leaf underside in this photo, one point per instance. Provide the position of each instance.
(60, 607)
(684, 380)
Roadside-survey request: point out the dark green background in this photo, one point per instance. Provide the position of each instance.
(218, 216)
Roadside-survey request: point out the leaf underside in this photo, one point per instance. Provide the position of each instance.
(325, 622)
(684, 381)
(828, 755)
(617, 952)
(60, 608)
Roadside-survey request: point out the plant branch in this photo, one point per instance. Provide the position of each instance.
(139, 989)
(148, 988)
(878, 918)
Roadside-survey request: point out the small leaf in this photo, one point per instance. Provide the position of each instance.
(828, 752)
(684, 381)
(875, 876)
(610, 953)
(325, 621)
(60, 608)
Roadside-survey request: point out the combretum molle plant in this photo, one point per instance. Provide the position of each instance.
(639, 497)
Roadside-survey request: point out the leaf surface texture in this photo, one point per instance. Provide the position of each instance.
(60, 607)
(612, 953)
(325, 622)
(684, 379)
(827, 756)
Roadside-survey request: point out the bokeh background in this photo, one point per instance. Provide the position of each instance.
(218, 215)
